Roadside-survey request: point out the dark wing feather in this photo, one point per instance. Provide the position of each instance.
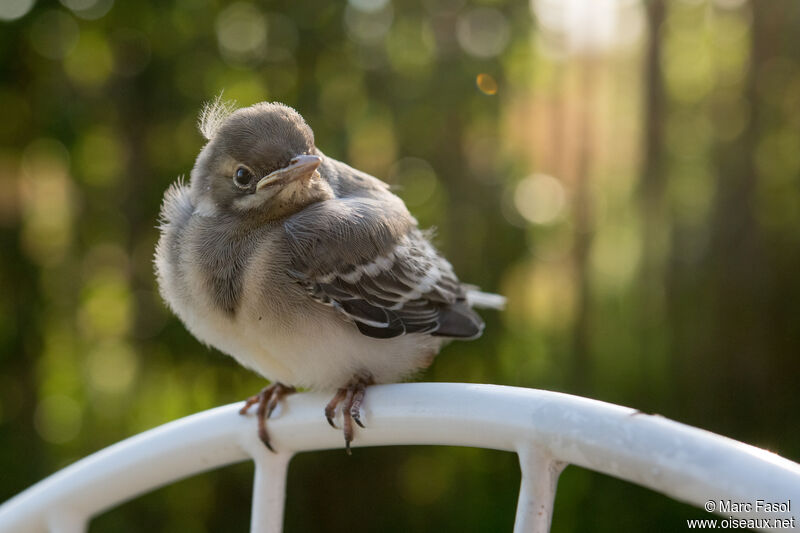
(374, 266)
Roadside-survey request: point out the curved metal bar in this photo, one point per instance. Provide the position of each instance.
(685, 463)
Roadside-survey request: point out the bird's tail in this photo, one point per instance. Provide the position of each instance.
(486, 300)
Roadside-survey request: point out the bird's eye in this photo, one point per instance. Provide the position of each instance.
(242, 177)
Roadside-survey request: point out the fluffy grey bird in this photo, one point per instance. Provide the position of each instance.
(307, 271)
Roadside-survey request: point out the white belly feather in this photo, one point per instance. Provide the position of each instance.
(302, 343)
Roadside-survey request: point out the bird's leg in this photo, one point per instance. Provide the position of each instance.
(267, 401)
(350, 398)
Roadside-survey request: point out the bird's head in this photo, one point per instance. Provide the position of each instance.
(260, 162)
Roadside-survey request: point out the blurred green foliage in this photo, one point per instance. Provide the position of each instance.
(627, 174)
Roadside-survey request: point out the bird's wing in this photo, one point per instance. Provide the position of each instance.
(369, 261)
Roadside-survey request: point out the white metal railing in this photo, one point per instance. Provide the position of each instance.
(547, 430)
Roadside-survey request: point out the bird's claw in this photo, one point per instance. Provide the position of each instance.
(330, 421)
(330, 409)
(248, 403)
(267, 401)
(264, 437)
(350, 398)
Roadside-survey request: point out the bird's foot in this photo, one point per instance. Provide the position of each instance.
(267, 401)
(350, 398)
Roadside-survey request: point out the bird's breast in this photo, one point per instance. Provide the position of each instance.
(238, 298)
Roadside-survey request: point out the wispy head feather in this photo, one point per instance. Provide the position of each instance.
(213, 115)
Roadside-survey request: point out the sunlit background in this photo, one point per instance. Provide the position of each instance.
(627, 173)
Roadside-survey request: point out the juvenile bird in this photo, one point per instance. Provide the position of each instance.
(306, 270)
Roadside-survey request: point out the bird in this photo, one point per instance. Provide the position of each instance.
(307, 271)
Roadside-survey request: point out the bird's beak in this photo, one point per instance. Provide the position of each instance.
(301, 167)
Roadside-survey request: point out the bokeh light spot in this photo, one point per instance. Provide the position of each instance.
(541, 293)
(368, 6)
(486, 84)
(483, 32)
(585, 27)
(409, 47)
(417, 182)
(368, 27)
(78, 5)
(242, 33)
(58, 419)
(615, 256)
(540, 198)
(14, 9)
(372, 145)
(340, 95)
(687, 64)
(112, 367)
(46, 195)
(107, 308)
(54, 34)
(88, 9)
(91, 62)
